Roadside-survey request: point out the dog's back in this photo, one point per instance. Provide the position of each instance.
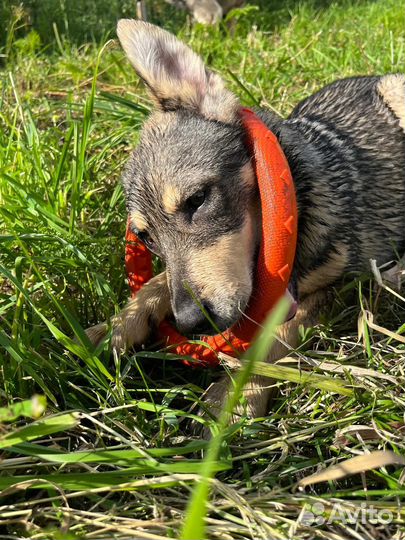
(346, 148)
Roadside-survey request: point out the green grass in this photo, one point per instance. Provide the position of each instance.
(114, 455)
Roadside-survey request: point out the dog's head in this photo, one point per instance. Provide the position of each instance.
(190, 187)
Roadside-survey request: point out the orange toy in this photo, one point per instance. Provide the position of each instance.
(276, 255)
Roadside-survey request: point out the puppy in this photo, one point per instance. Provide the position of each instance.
(192, 197)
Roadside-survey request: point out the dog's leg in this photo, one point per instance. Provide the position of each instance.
(133, 324)
(258, 390)
(395, 276)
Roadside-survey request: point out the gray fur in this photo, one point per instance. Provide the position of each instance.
(346, 150)
(191, 153)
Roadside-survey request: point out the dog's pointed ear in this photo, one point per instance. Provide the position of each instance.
(175, 75)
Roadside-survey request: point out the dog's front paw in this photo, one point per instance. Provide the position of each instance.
(129, 328)
(395, 276)
(97, 333)
(132, 326)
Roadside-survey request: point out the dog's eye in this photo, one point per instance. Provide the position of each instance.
(197, 199)
(145, 238)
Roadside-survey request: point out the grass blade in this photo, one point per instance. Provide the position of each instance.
(30, 408)
(304, 378)
(194, 525)
(36, 430)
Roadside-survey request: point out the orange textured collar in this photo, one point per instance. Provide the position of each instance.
(276, 255)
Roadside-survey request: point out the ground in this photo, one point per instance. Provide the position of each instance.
(114, 456)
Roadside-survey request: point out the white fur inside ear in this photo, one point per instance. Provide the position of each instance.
(175, 75)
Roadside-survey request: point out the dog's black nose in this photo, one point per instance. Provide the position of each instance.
(190, 319)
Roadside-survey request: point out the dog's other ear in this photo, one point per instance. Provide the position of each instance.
(175, 75)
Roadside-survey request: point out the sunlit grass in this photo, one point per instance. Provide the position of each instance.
(115, 455)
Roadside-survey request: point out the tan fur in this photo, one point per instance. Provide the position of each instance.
(327, 273)
(174, 73)
(247, 175)
(220, 270)
(139, 221)
(157, 121)
(132, 325)
(392, 90)
(171, 199)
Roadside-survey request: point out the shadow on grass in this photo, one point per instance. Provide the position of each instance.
(95, 20)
